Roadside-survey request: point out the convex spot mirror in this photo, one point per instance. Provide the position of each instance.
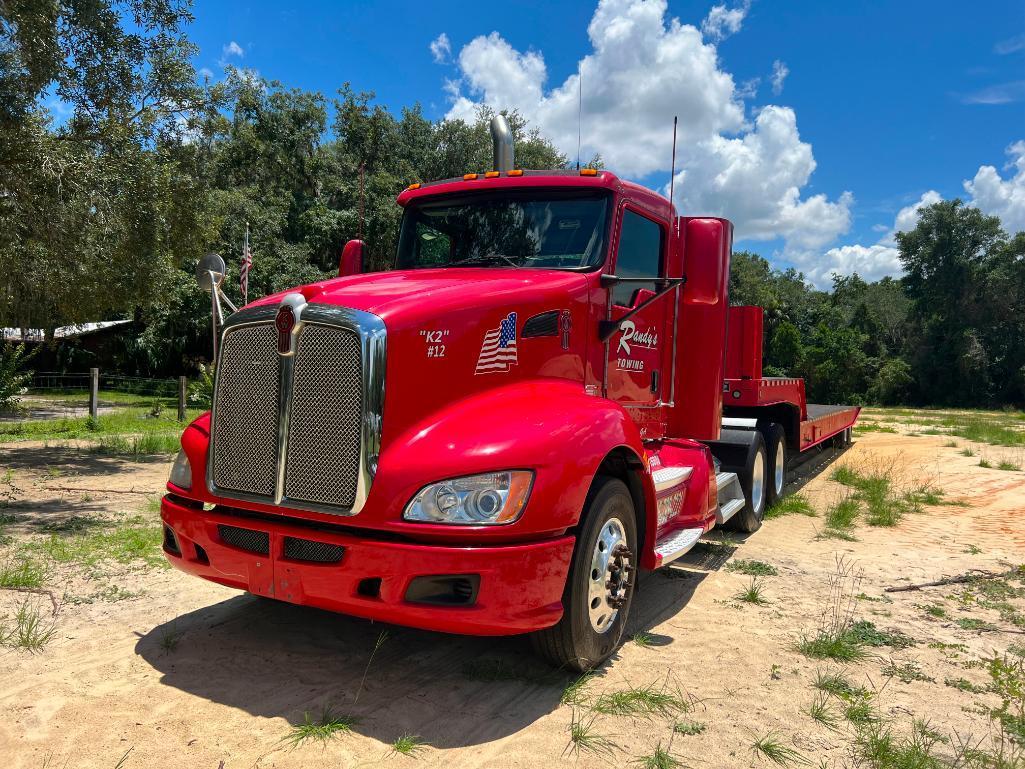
(211, 263)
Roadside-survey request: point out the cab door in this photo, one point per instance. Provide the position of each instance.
(635, 354)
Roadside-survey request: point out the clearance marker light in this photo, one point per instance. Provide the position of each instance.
(516, 172)
(588, 171)
(469, 177)
(414, 186)
(492, 174)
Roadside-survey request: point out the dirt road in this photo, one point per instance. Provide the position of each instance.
(163, 670)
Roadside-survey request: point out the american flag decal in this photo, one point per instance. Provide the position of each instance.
(498, 352)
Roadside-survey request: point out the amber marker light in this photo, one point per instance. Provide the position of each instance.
(414, 186)
(469, 177)
(516, 172)
(588, 171)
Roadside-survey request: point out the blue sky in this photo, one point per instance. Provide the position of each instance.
(897, 102)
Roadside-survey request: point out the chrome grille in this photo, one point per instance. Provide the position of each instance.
(322, 462)
(245, 432)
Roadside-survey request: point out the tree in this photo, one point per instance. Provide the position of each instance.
(93, 209)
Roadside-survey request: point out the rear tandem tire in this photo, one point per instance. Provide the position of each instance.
(754, 482)
(776, 463)
(591, 629)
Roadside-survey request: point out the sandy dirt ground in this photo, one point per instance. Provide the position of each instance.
(191, 674)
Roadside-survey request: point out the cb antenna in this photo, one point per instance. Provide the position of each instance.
(580, 102)
(672, 170)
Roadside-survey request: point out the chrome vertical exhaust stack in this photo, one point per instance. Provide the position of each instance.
(502, 144)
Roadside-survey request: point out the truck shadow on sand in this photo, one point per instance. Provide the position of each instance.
(274, 659)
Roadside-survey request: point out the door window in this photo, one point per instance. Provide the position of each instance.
(639, 256)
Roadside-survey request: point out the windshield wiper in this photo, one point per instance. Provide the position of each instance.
(483, 259)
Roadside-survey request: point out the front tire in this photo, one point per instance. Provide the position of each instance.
(776, 467)
(753, 480)
(600, 585)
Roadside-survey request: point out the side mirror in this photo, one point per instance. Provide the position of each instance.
(210, 272)
(351, 260)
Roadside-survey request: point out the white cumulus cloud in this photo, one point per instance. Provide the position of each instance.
(441, 48)
(722, 21)
(1001, 197)
(233, 49)
(644, 68)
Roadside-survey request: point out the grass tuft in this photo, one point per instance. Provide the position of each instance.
(752, 568)
(410, 745)
(689, 728)
(22, 572)
(643, 639)
(841, 516)
(906, 672)
(584, 738)
(772, 748)
(752, 593)
(793, 504)
(662, 758)
(322, 729)
(819, 710)
(30, 630)
(641, 701)
(1010, 466)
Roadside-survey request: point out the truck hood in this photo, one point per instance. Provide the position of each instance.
(440, 323)
(403, 296)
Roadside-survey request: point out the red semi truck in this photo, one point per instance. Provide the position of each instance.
(548, 393)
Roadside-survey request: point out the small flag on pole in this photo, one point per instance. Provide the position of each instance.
(247, 263)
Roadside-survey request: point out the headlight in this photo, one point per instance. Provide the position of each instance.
(490, 498)
(181, 472)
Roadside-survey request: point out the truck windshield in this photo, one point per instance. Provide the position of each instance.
(549, 230)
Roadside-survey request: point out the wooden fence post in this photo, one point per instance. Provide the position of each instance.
(182, 387)
(94, 392)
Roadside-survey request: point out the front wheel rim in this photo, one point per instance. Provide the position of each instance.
(779, 469)
(608, 580)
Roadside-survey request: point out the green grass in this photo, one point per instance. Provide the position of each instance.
(981, 429)
(973, 623)
(964, 685)
(147, 444)
(585, 738)
(771, 747)
(752, 568)
(841, 516)
(820, 710)
(864, 632)
(326, 727)
(129, 540)
(410, 745)
(689, 728)
(834, 683)
(985, 463)
(906, 672)
(647, 700)
(832, 646)
(574, 694)
(30, 630)
(794, 504)
(879, 748)
(661, 758)
(21, 571)
(752, 593)
(1011, 466)
(123, 422)
(643, 639)
(860, 711)
(936, 610)
(966, 452)
(873, 427)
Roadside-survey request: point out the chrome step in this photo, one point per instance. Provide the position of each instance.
(674, 544)
(667, 477)
(731, 497)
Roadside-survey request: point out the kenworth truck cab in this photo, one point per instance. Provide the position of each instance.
(493, 437)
